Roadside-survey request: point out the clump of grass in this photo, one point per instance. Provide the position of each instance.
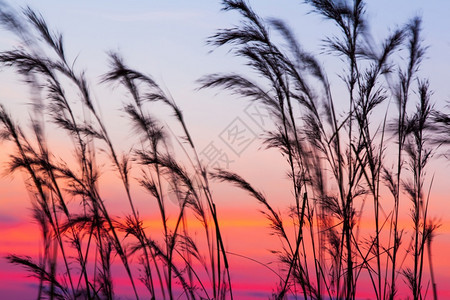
(337, 156)
(89, 229)
(347, 145)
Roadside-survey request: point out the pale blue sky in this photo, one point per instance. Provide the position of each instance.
(167, 38)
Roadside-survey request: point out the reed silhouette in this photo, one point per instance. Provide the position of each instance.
(338, 153)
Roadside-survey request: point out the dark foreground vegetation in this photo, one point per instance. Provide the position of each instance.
(340, 154)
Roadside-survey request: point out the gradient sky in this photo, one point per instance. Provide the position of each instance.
(167, 39)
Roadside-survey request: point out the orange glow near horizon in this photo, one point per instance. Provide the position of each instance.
(247, 241)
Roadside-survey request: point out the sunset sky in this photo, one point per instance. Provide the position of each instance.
(167, 40)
